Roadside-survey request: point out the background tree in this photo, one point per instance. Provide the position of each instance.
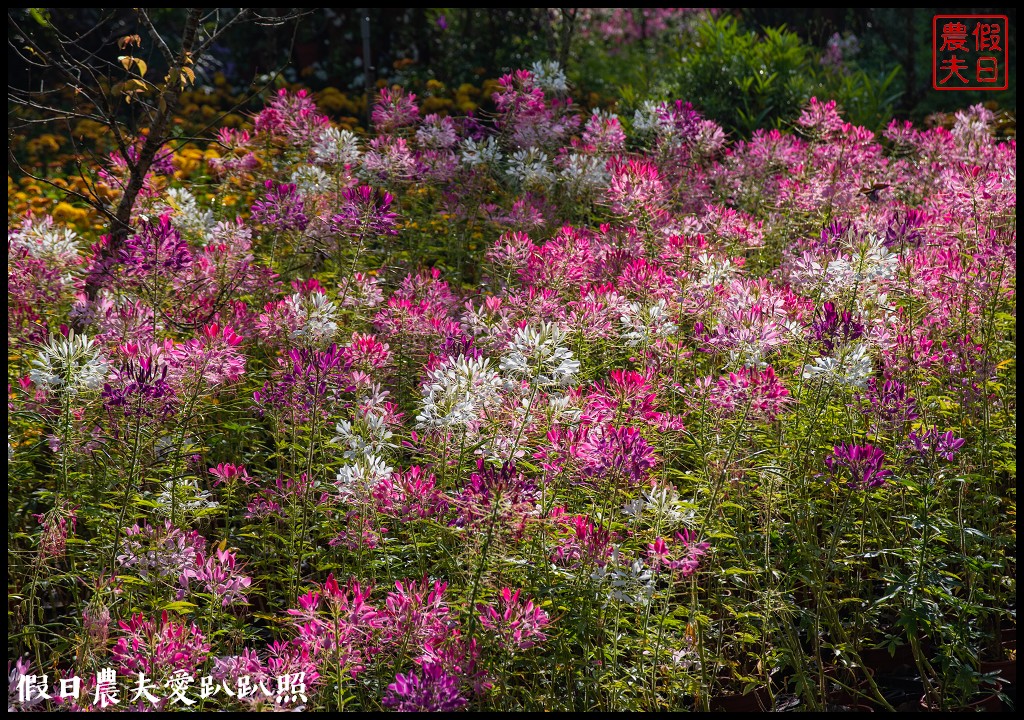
(124, 69)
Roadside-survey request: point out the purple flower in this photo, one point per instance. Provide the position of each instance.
(946, 445)
(617, 452)
(833, 328)
(435, 691)
(365, 211)
(862, 462)
(891, 401)
(155, 248)
(280, 209)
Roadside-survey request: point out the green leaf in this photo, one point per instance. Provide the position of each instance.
(41, 16)
(181, 606)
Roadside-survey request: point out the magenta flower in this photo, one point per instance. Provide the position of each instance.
(586, 543)
(689, 561)
(863, 465)
(945, 445)
(513, 492)
(516, 624)
(394, 109)
(280, 209)
(686, 563)
(157, 648)
(410, 495)
(225, 472)
(611, 452)
(433, 691)
(338, 624)
(219, 576)
(365, 211)
(57, 523)
(416, 614)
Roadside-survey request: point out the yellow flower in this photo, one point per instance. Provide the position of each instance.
(64, 212)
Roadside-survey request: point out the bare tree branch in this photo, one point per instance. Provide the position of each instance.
(157, 38)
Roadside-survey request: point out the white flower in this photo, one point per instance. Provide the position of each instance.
(583, 174)
(642, 325)
(530, 168)
(359, 479)
(851, 367)
(646, 118)
(189, 497)
(536, 354)
(336, 147)
(366, 436)
(71, 364)
(485, 152)
(318, 314)
(715, 271)
(667, 508)
(562, 411)
(42, 237)
(186, 214)
(549, 76)
(631, 582)
(311, 180)
(457, 392)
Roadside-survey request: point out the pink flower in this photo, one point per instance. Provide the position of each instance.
(159, 648)
(515, 624)
(225, 472)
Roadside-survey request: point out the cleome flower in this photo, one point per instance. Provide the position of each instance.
(849, 366)
(457, 391)
(70, 364)
(537, 355)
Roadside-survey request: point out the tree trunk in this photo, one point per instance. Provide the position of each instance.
(170, 95)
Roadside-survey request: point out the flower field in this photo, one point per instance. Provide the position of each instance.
(534, 409)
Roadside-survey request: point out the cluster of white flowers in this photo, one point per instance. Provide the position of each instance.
(457, 392)
(530, 168)
(311, 180)
(189, 497)
(850, 366)
(318, 314)
(664, 503)
(869, 260)
(714, 271)
(642, 325)
(69, 364)
(187, 216)
(483, 152)
(42, 237)
(358, 479)
(537, 355)
(550, 77)
(583, 174)
(630, 582)
(336, 147)
(366, 436)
